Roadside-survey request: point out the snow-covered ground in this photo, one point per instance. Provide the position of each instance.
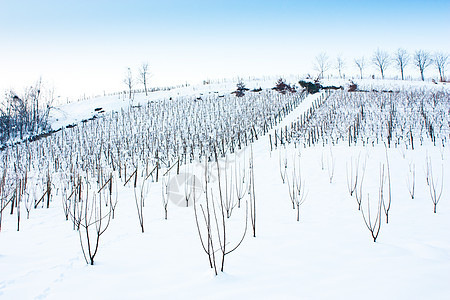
(328, 254)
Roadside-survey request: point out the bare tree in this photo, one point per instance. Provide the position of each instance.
(374, 227)
(252, 192)
(433, 184)
(359, 191)
(140, 194)
(90, 220)
(387, 204)
(340, 64)
(440, 61)
(331, 165)
(241, 181)
(283, 165)
(352, 180)
(143, 72)
(360, 63)
(165, 194)
(129, 81)
(381, 60)
(188, 181)
(297, 188)
(222, 233)
(322, 63)
(113, 199)
(3, 195)
(206, 210)
(422, 59)
(411, 179)
(229, 202)
(401, 60)
(212, 222)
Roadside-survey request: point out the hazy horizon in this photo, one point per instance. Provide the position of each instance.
(84, 47)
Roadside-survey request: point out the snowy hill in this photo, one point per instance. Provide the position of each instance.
(329, 253)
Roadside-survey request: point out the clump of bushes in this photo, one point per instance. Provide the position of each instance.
(311, 87)
(283, 87)
(352, 87)
(24, 115)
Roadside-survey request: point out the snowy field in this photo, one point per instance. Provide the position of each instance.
(328, 254)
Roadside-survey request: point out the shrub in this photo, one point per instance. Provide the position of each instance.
(282, 87)
(311, 87)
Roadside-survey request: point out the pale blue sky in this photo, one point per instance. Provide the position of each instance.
(83, 46)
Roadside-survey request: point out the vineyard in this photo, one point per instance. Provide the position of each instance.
(201, 195)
